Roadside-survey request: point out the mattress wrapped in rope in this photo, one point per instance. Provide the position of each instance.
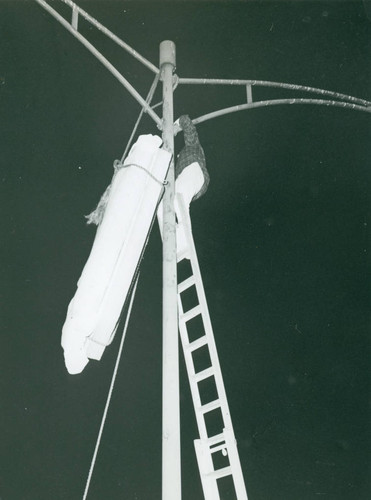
(132, 200)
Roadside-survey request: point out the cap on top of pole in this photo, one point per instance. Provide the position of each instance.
(167, 53)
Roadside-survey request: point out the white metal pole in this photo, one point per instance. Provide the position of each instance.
(171, 468)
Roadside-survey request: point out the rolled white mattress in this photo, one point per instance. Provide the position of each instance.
(105, 281)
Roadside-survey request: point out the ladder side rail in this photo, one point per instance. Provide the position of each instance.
(187, 354)
(208, 334)
(205, 467)
(184, 219)
(234, 460)
(190, 370)
(228, 434)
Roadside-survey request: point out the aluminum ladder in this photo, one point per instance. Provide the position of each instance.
(216, 450)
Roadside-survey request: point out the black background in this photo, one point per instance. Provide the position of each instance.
(282, 236)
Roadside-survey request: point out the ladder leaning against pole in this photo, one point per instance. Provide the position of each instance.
(216, 451)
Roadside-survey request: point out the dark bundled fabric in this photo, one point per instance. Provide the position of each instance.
(191, 152)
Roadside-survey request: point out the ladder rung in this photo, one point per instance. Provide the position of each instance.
(218, 448)
(204, 374)
(226, 471)
(218, 438)
(186, 284)
(182, 255)
(210, 406)
(191, 313)
(196, 344)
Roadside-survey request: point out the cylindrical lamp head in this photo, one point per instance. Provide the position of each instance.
(167, 53)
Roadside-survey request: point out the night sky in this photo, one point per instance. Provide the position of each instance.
(282, 237)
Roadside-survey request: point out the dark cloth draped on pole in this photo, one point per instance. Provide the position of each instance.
(191, 152)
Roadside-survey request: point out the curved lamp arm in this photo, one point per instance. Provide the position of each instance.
(72, 28)
(263, 83)
(275, 102)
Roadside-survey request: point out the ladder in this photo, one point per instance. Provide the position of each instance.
(216, 448)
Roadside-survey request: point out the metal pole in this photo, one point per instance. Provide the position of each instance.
(171, 473)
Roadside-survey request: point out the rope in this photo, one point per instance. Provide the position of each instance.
(95, 217)
(117, 165)
(148, 101)
(109, 394)
(176, 81)
(136, 278)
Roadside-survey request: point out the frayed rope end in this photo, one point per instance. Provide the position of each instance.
(96, 216)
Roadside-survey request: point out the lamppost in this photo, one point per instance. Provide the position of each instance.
(171, 477)
(171, 484)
